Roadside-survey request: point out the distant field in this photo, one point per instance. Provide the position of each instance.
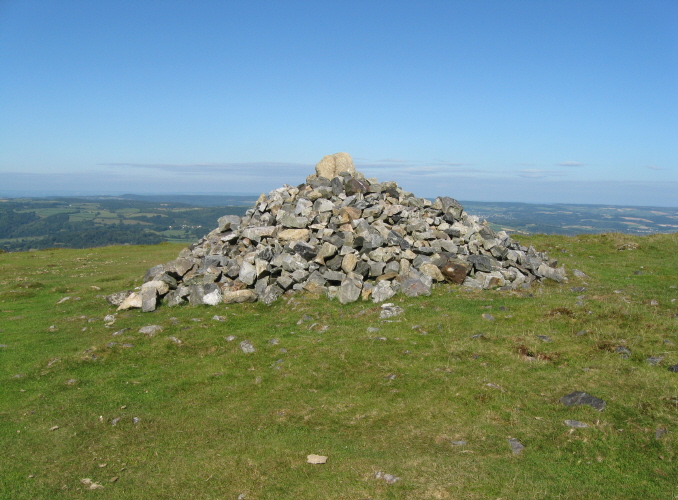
(38, 223)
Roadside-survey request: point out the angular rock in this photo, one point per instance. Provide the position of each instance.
(150, 330)
(213, 298)
(247, 347)
(115, 299)
(390, 311)
(349, 291)
(239, 296)
(293, 235)
(149, 299)
(455, 271)
(413, 287)
(248, 273)
(228, 222)
(132, 301)
(382, 291)
(581, 398)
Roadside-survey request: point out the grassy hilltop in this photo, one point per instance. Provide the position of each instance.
(430, 397)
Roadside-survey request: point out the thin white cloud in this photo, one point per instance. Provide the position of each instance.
(570, 164)
(261, 168)
(536, 173)
(652, 167)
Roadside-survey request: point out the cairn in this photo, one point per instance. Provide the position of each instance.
(344, 236)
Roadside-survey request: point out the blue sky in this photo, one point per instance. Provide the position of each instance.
(492, 100)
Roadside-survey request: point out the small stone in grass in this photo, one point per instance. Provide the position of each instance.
(389, 478)
(488, 317)
(458, 443)
(54, 428)
(247, 347)
(516, 447)
(91, 485)
(316, 459)
(576, 424)
(673, 368)
(654, 360)
(581, 398)
(150, 330)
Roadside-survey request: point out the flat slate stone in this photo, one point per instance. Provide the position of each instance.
(581, 398)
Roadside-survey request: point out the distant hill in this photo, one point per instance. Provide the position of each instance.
(84, 222)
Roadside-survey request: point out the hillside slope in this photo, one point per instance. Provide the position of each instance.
(434, 402)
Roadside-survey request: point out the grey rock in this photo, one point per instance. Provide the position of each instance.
(150, 330)
(390, 311)
(228, 222)
(149, 299)
(115, 299)
(624, 351)
(271, 294)
(305, 250)
(154, 272)
(516, 446)
(247, 347)
(413, 287)
(581, 398)
(213, 297)
(673, 368)
(654, 360)
(576, 424)
(389, 478)
(483, 263)
(349, 291)
(248, 273)
(382, 291)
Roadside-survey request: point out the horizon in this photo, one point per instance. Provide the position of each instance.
(4, 197)
(520, 102)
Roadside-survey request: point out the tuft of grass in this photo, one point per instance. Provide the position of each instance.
(186, 413)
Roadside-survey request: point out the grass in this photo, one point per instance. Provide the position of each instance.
(214, 422)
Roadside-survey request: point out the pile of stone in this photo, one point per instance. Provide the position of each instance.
(344, 236)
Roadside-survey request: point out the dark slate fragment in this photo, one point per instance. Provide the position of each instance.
(306, 251)
(354, 186)
(362, 268)
(581, 398)
(153, 272)
(482, 263)
(673, 368)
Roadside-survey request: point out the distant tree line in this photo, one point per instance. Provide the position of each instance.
(21, 228)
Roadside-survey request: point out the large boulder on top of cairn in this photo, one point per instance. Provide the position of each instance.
(346, 237)
(332, 165)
